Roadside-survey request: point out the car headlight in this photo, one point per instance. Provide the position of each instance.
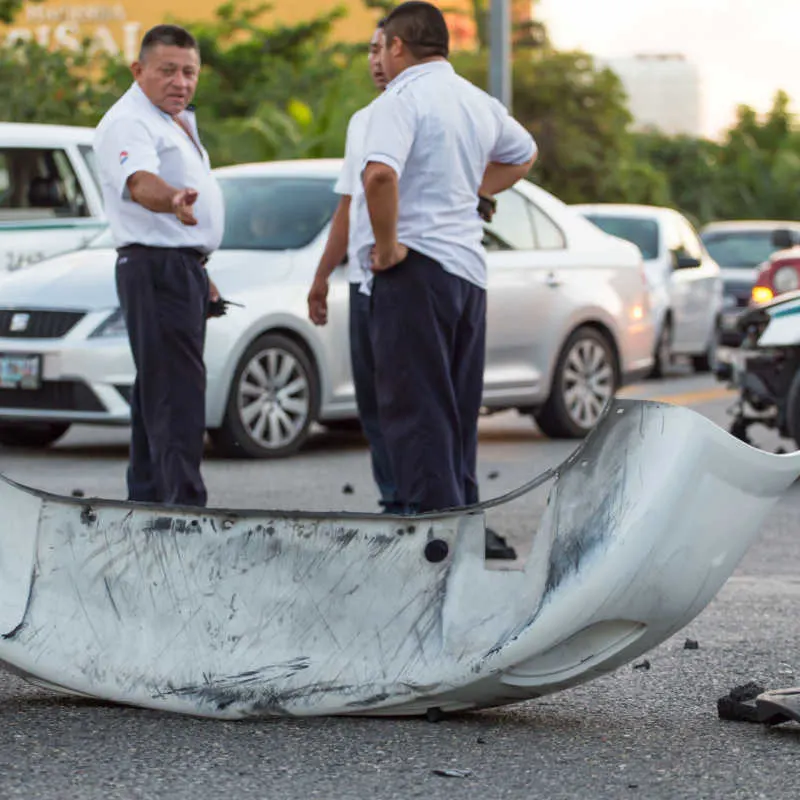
(786, 279)
(113, 325)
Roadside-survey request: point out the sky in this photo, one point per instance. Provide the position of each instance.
(745, 50)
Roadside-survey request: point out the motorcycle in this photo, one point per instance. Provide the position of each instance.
(765, 369)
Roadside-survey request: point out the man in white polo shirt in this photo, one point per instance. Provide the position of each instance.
(166, 213)
(434, 141)
(350, 233)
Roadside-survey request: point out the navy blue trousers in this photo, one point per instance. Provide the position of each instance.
(163, 293)
(428, 331)
(363, 365)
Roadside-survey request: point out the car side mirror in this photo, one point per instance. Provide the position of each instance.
(687, 262)
(782, 239)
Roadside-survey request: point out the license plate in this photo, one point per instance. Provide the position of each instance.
(20, 371)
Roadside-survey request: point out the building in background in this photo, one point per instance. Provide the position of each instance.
(117, 26)
(664, 92)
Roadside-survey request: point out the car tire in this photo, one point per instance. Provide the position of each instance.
(662, 356)
(793, 409)
(585, 381)
(272, 401)
(32, 435)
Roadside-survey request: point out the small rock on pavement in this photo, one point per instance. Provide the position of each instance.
(453, 773)
(348, 488)
(493, 474)
(691, 644)
(642, 665)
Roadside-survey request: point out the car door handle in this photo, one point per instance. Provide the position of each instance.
(552, 281)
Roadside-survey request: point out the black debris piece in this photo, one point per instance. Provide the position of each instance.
(642, 665)
(481, 740)
(453, 773)
(748, 691)
(348, 489)
(780, 451)
(691, 644)
(78, 493)
(493, 474)
(739, 705)
(434, 714)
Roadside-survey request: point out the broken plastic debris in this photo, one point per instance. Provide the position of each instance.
(493, 474)
(348, 488)
(453, 773)
(691, 644)
(739, 704)
(781, 705)
(642, 665)
(78, 493)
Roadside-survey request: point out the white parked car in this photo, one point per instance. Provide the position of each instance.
(568, 321)
(684, 281)
(50, 201)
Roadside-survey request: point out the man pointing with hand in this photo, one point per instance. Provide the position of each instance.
(166, 213)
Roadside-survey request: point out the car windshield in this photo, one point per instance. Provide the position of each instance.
(269, 213)
(275, 213)
(745, 249)
(641, 231)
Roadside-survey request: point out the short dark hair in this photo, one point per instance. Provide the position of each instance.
(170, 35)
(421, 27)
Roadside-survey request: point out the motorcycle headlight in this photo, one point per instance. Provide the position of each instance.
(113, 325)
(786, 279)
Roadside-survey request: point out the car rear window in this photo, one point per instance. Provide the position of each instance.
(275, 213)
(745, 249)
(641, 231)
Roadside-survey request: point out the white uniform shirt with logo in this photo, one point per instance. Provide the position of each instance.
(438, 132)
(360, 238)
(135, 136)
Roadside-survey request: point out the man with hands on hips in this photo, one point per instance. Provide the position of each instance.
(434, 142)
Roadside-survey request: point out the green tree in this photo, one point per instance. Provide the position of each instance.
(753, 173)
(579, 118)
(10, 8)
(62, 92)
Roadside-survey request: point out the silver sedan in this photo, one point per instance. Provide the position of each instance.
(568, 322)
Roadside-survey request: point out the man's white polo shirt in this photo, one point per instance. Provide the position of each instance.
(438, 132)
(360, 238)
(135, 136)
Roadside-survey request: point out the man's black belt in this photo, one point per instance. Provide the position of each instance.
(194, 252)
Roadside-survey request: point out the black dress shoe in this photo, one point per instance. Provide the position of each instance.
(498, 547)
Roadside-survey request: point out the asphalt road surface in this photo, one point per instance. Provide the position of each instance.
(638, 733)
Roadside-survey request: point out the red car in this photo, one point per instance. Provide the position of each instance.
(780, 273)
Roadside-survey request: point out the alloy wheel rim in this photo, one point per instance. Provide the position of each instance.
(273, 398)
(587, 383)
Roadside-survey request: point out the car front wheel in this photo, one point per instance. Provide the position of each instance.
(584, 383)
(33, 435)
(273, 399)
